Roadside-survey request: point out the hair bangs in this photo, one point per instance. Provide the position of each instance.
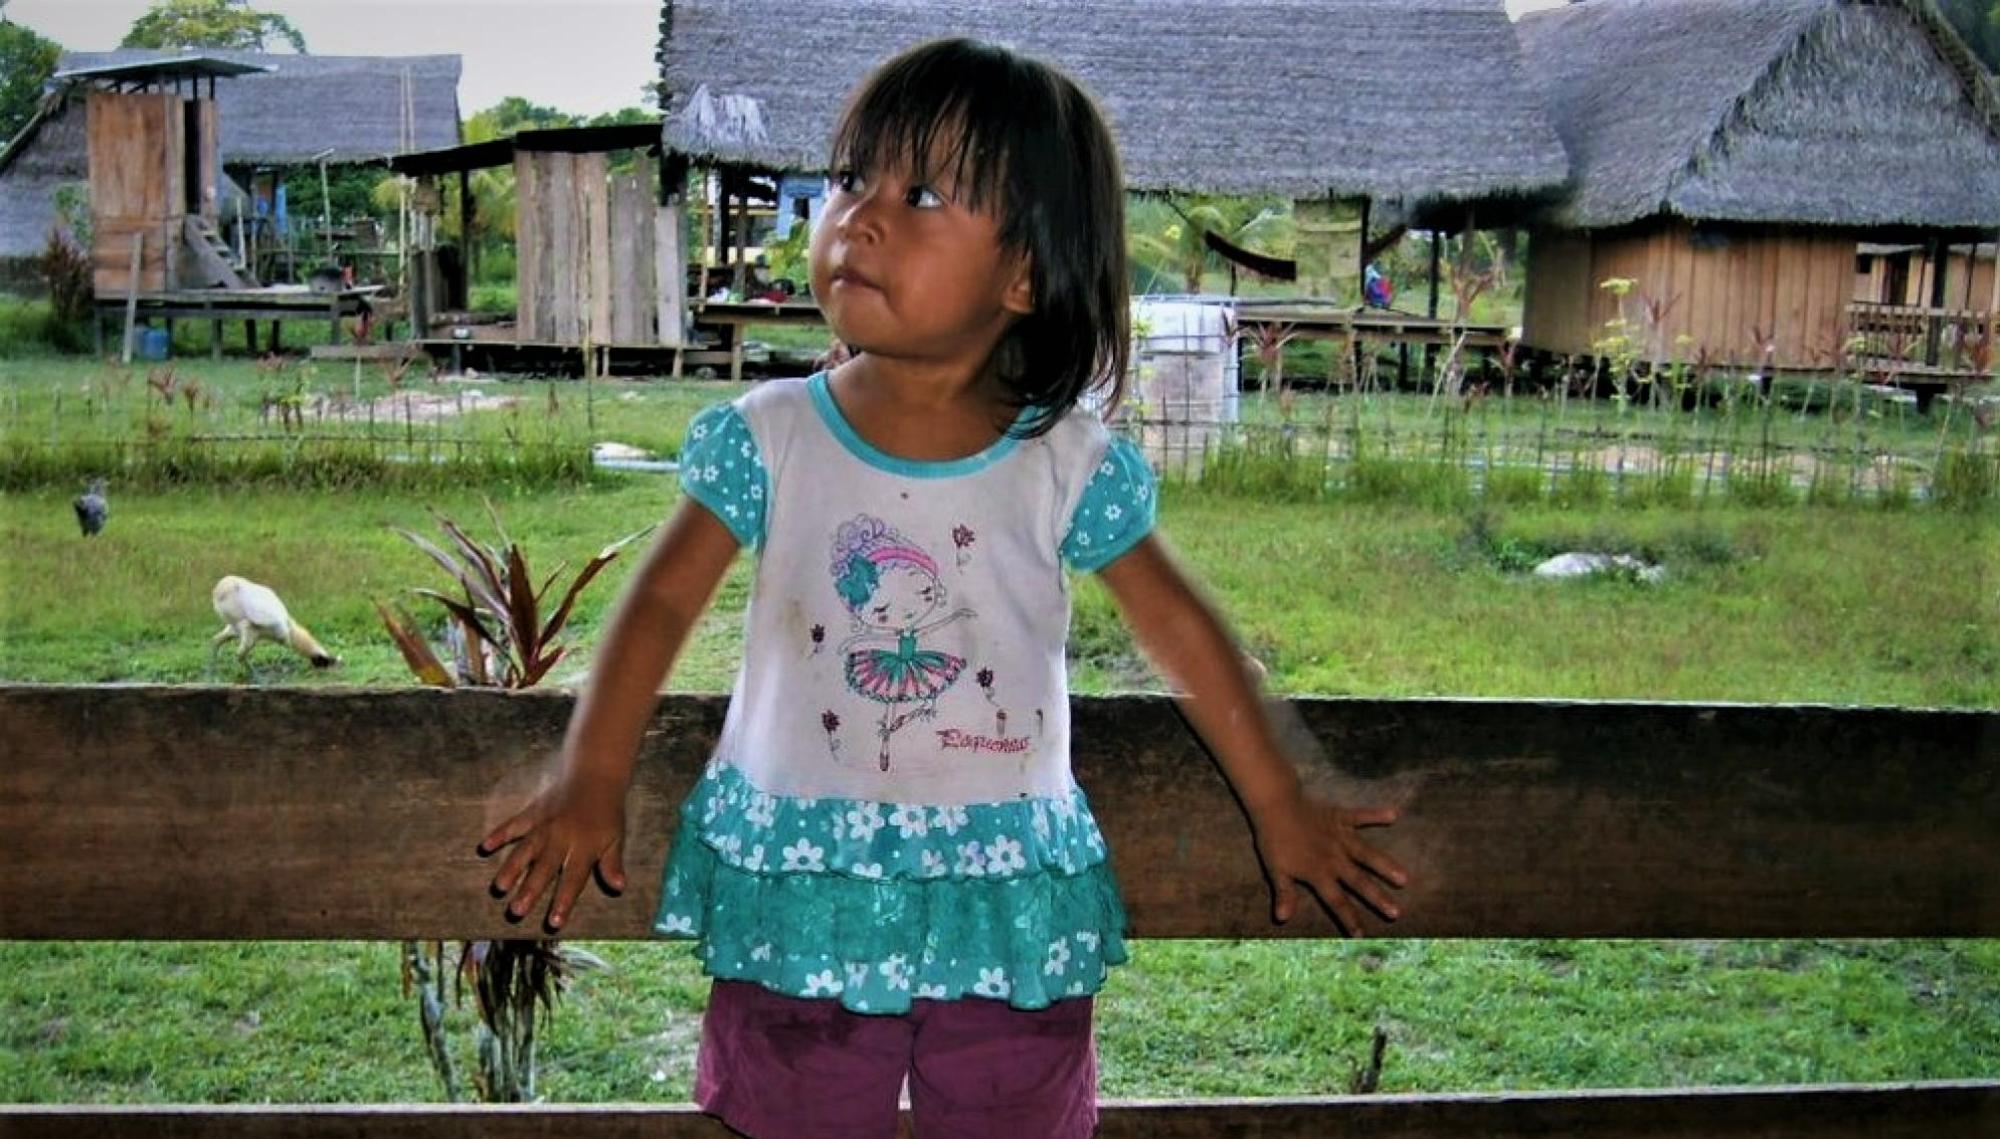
(948, 115)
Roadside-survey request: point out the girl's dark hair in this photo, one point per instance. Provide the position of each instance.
(1023, 140)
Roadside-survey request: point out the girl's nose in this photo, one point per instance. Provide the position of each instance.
(860, 215)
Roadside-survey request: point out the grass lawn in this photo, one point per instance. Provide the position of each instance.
(1338, 595)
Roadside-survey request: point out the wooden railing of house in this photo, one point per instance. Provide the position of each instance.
(1912, 340)
(133, 812)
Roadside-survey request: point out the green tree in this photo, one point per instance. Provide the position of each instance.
(26, 62)
(229, 24)
(1978, 23)
(514, 114)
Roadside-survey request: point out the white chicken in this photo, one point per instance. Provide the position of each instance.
(253, 613)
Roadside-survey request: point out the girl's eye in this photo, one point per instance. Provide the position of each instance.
(881, 610)
(924, 198)
(846, 181)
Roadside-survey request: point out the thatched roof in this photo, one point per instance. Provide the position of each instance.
(1420, 100)
(352, 105)
(1819, 112)
(32, 169)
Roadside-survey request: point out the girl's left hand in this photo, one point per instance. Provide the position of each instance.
(1307, 840)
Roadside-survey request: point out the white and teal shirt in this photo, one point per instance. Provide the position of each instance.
(890, 812)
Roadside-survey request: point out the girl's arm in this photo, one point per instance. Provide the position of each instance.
(1300, 838)
(579, 822)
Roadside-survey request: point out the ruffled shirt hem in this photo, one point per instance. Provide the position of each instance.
(833, 927)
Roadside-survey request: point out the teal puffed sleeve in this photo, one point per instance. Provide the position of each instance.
(1116, 511)
(722, 470)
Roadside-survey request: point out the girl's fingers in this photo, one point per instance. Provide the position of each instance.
(505, 833)
(531, 891)
(566, 894)
(1372, 816)
(1338, 904)
(1372, 893)
(519, 861)
(611, 868)
(1284, 898)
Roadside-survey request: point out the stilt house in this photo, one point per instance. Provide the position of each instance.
(1729, 157)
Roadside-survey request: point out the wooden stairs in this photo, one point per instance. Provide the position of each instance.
(214, 263)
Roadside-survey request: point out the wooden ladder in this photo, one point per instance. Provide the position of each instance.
(216, 261)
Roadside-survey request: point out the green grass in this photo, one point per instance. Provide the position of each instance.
(1799, 604)
(319, 1022)
(1343, 593)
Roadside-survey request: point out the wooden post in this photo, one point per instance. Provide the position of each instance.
(250, 335)
(1934, 322)
(215, 339)
(1437, 258)
(132, 295)
(669, 255)
(467, 214)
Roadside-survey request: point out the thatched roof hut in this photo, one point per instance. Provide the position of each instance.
(1421, 101)
(353, 105)
(1810, 112)
(1728, 156)
(305, 104)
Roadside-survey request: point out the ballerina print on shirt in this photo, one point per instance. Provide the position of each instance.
(893, 593)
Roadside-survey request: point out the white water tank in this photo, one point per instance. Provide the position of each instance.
(1186, 378)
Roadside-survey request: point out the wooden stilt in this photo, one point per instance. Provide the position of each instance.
(132, 296)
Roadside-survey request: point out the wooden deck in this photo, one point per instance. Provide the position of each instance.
(275, 303)
(1310, 321)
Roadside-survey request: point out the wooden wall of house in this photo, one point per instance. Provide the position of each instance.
(1725, 291)
(137, 186)
(585, 268)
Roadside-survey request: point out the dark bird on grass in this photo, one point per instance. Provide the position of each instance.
(92, 509)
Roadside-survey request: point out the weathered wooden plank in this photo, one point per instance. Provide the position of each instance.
(670, 273)
(594, 196)
(563, 265)
(1961, 1109)
(141, 812)
(528, 240)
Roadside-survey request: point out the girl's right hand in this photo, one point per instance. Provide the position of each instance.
(559, 838)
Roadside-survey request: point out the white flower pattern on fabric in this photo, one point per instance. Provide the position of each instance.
(803, 855)
(1058, 957)
(823, 984)
(972, 860)
(949, 819)
(863, 820)
(993, 983)
(1115, 511)
(722, 470)
(910, 820)
(1003, 856)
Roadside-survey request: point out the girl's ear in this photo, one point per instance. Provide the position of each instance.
(1019, 297)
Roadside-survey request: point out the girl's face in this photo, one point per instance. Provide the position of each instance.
(903, 269)
(904, 595)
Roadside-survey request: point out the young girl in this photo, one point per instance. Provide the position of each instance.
(889, 867)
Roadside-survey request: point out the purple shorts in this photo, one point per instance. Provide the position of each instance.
(778, 1067)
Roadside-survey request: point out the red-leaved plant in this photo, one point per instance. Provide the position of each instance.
(498, 637)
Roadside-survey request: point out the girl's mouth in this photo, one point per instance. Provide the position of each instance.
(851, 278)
